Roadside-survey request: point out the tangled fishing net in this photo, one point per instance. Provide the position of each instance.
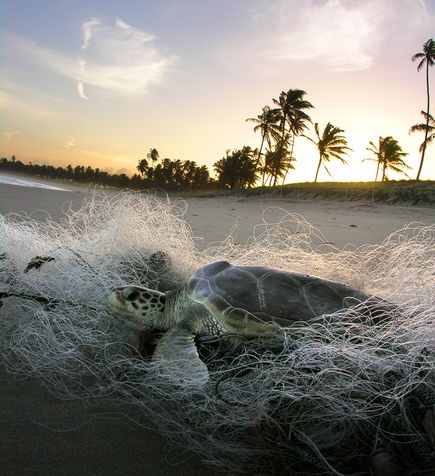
(319, 400)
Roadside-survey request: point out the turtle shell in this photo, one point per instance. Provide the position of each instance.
(251, 299)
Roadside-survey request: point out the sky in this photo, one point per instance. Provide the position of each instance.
(99, 83)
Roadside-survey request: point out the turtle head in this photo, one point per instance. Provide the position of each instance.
(142, 306)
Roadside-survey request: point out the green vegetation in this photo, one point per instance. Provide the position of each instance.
(411, 192)
(238, 169)
(403, 192)
(168, 175)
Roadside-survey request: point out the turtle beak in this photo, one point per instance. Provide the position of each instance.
(117, 303)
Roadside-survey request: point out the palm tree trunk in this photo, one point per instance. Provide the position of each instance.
(275, 180)
(264, 178)
(259, 156)
(318, 168)
(427, 121)
(281, 147)
(377, 171)
(376, 178)
(290, 160)
(261, 149)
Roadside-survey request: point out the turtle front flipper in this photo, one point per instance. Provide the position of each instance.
(176, 358)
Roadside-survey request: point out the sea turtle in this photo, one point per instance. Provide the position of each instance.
(249, 301)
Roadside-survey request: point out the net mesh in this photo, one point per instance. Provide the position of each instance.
(320, 398)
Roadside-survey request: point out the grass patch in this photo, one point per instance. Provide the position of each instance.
(403, 192)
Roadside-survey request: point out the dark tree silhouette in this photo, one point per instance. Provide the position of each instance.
(291, 105)
(238, 169)
(277, 163)
(428, 127)
(142, 167)
(426, 57)
(377, 151)
(170, 174)
(388, 155)
(268, 124)
(153, 155)
(330, 144)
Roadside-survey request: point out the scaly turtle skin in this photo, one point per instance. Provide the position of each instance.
(250, 301)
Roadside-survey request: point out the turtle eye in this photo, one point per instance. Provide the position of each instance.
(132, 295)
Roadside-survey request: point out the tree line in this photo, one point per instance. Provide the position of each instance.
(168, 174)
(270, 164)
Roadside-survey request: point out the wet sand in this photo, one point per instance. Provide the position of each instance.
(42, 435)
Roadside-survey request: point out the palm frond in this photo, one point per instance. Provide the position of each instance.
(398, 170)
(326, 168)
(418, 56)
(417, 128)
(309, 138)
(427, 56)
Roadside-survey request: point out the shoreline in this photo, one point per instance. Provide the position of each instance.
(401, 193)
(339, 224)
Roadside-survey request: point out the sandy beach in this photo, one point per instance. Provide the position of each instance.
(341, 223)
(43, 435)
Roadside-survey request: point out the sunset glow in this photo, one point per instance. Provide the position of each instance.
(100, 83)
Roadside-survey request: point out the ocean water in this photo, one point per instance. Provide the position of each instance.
(28, 183)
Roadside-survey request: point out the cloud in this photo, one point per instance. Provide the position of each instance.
(81, 90)
(119, 59)
(424, 8)
(70, 143)
(87, 31)
(341, 35)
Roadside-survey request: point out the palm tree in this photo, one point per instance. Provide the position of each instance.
(377, 151)
(237, 169)
(142, 167)
(267, 123)
(389, 155)
(428, 127)
(291, 105)
(153, 154)
(297, 126)
(428, 57)
(277, 163)
(331, 144)
(392, 159)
